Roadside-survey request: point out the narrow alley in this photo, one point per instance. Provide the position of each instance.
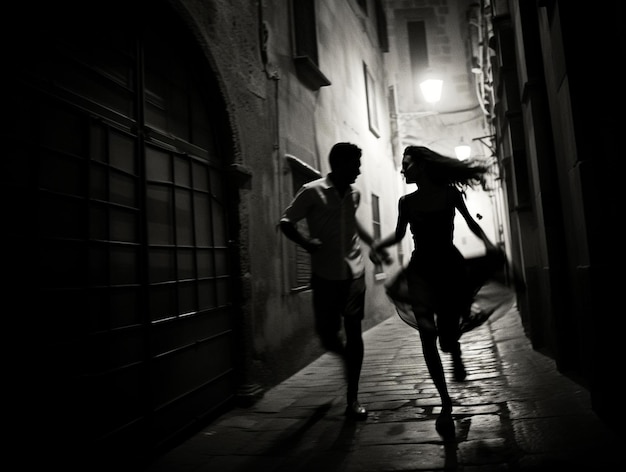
(151, 149)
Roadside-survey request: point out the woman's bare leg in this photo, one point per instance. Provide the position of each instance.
(428, 336)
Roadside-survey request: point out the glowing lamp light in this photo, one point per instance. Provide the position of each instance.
(462, 152)
(431, 89)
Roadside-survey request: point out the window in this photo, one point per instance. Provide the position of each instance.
(393, 126)
(376, 229)
(381, 26)
(301, 173)
(418, 51)
(372, 101)
(304, 38)
(363, 5)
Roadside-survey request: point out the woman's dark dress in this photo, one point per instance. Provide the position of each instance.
(438, 279)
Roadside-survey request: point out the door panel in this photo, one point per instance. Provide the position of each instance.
(115, 173)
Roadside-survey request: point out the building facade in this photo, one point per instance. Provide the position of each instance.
(557, 140)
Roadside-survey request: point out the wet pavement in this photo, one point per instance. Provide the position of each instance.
(514, 412)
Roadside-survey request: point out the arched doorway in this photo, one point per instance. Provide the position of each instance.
(117, 156)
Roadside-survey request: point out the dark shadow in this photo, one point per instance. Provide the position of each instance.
(278, 456)
(293, 436)
(448, 433)
(346, 436)
(451, 461)
(327, 459)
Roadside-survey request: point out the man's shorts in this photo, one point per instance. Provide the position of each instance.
(335, 298)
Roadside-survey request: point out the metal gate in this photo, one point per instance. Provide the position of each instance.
(120, 176)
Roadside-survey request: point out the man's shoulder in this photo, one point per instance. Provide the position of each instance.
(315, 186)
(321, 182)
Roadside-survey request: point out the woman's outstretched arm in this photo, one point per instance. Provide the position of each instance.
(397, 235)
(471, 222)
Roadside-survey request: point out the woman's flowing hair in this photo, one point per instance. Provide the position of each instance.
(448, 170)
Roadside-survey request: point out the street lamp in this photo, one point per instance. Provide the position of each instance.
(431, 89)
(462, 151)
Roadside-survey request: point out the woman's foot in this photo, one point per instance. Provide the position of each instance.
(445, 424)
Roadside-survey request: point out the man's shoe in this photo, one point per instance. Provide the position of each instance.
(356, 411)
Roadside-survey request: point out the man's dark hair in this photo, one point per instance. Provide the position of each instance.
(343, 152)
